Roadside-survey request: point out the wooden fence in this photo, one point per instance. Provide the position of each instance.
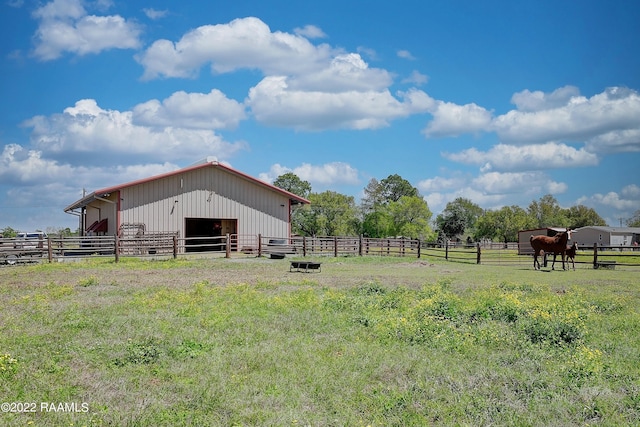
(155, 245)
(339, 246)
(586, 257)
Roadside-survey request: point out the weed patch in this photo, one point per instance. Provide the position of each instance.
(143, 352)
(88, 281)
(8, 365)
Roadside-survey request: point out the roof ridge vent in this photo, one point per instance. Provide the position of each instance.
(208, 159)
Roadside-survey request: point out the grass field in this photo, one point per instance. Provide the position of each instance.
(367, 341)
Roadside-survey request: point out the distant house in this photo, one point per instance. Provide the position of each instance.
(524, 245)
(607, 236)
(206, 199)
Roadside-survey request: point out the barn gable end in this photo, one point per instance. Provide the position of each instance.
(193, 201)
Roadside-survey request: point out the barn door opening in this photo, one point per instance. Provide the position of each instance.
(230, 226)
(200, 234)
(207, 234)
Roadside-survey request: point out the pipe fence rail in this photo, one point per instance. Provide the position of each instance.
(170, 245)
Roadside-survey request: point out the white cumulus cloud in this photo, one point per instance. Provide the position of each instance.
(99, 135)
(503, 157)
(65, 26)
(246, 43)
(325, 174)
(310, 32)
(154, 13)
(344, 72)
(451, 119)
(416, 78)
(517, 182)
(439, 184)
(538, 100)
(490, 190)
(405, 54)
(606, 122)
(273, 102)
(211, 110)
(576, 118)
(625, 202)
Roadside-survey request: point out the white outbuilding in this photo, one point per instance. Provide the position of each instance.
(607, 236)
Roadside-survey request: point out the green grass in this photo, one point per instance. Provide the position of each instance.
(369, 341)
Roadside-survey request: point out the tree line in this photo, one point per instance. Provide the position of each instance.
(9, 232)
(392, 207)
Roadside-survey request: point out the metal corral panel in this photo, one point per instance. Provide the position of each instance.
(164, 203)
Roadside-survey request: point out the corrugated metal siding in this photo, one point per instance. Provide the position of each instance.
(589, 236)
(163, 204)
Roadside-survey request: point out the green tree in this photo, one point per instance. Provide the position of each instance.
(582, 216)
(293, 184)
(634, 221)
(8, 232)
(65, 232)
(451, 222)
(503, 224)
(300, 217)
(547, 213)
(394, 187)
(373, 198)
(486, 226)
(411, 216)
(377, 224)
(458, 216)
(304, 221)
(377, 218)
(330, 214)
(510, 220)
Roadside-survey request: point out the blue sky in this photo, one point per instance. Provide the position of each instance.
(500, 102)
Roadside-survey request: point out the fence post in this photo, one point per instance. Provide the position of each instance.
(175, 246)
(335, 246)
(360, 245)
(446, 249)
(227, 248)
(49, 249)
(304, 246)
(478, 259)
(259, 245)
(116, 250)
(595, 255)
(419, 247)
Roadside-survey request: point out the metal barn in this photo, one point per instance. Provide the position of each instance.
(607, 236)
(206, 199)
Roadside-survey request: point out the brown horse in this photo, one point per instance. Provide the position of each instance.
(571, 254)
(556, 245)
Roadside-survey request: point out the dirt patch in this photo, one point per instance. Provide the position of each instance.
(221, 271)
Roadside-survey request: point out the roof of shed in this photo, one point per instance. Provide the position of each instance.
(556, 229)
(99, 194)
(606, 229)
